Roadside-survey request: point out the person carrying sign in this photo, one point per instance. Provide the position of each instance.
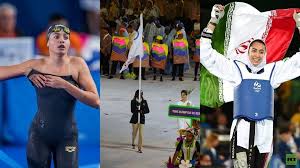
(180, 55)
(159, 53)
(118, 54)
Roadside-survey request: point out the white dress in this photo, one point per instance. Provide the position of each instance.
(184, 123)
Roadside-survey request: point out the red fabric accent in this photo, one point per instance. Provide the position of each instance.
(280, 34)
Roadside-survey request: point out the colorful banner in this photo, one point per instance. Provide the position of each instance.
(180, 51)
(119, 48)
(145, 58)
(196, 56)
(159, 53)
(178, 111)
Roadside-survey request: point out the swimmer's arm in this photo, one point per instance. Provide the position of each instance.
(7, 72)
(88, 94)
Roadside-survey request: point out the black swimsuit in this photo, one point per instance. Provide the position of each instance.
(53, 132)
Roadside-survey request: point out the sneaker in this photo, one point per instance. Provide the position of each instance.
(180, 78)
(173, 78)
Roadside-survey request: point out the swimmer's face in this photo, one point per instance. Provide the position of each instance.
(59, 43)
(257, 53)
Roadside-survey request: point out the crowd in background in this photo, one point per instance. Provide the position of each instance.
(164, 22)
(216, 123)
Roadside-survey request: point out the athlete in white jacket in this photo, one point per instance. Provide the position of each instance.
(254, 82)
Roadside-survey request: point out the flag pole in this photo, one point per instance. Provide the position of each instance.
(135, 50)
(140, 74)
(140, 85)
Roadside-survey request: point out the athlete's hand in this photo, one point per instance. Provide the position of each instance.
(55, 81)
(217, 13)
(296, 17)
(38, 80)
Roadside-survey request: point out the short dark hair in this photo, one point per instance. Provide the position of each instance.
(184, 91)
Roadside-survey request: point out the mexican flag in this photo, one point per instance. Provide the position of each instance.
(241, 24)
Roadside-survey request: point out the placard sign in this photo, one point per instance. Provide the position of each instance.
(178, 111)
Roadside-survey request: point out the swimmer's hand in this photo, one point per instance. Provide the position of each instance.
(38, 80)
(55, 82)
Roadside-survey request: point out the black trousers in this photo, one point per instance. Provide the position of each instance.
(130, 68)
(161, 71)
(136, 72)
(40, 153)
(260, 159)
(196, 69)
(178, 67)
(104, 65)
(114, 67)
